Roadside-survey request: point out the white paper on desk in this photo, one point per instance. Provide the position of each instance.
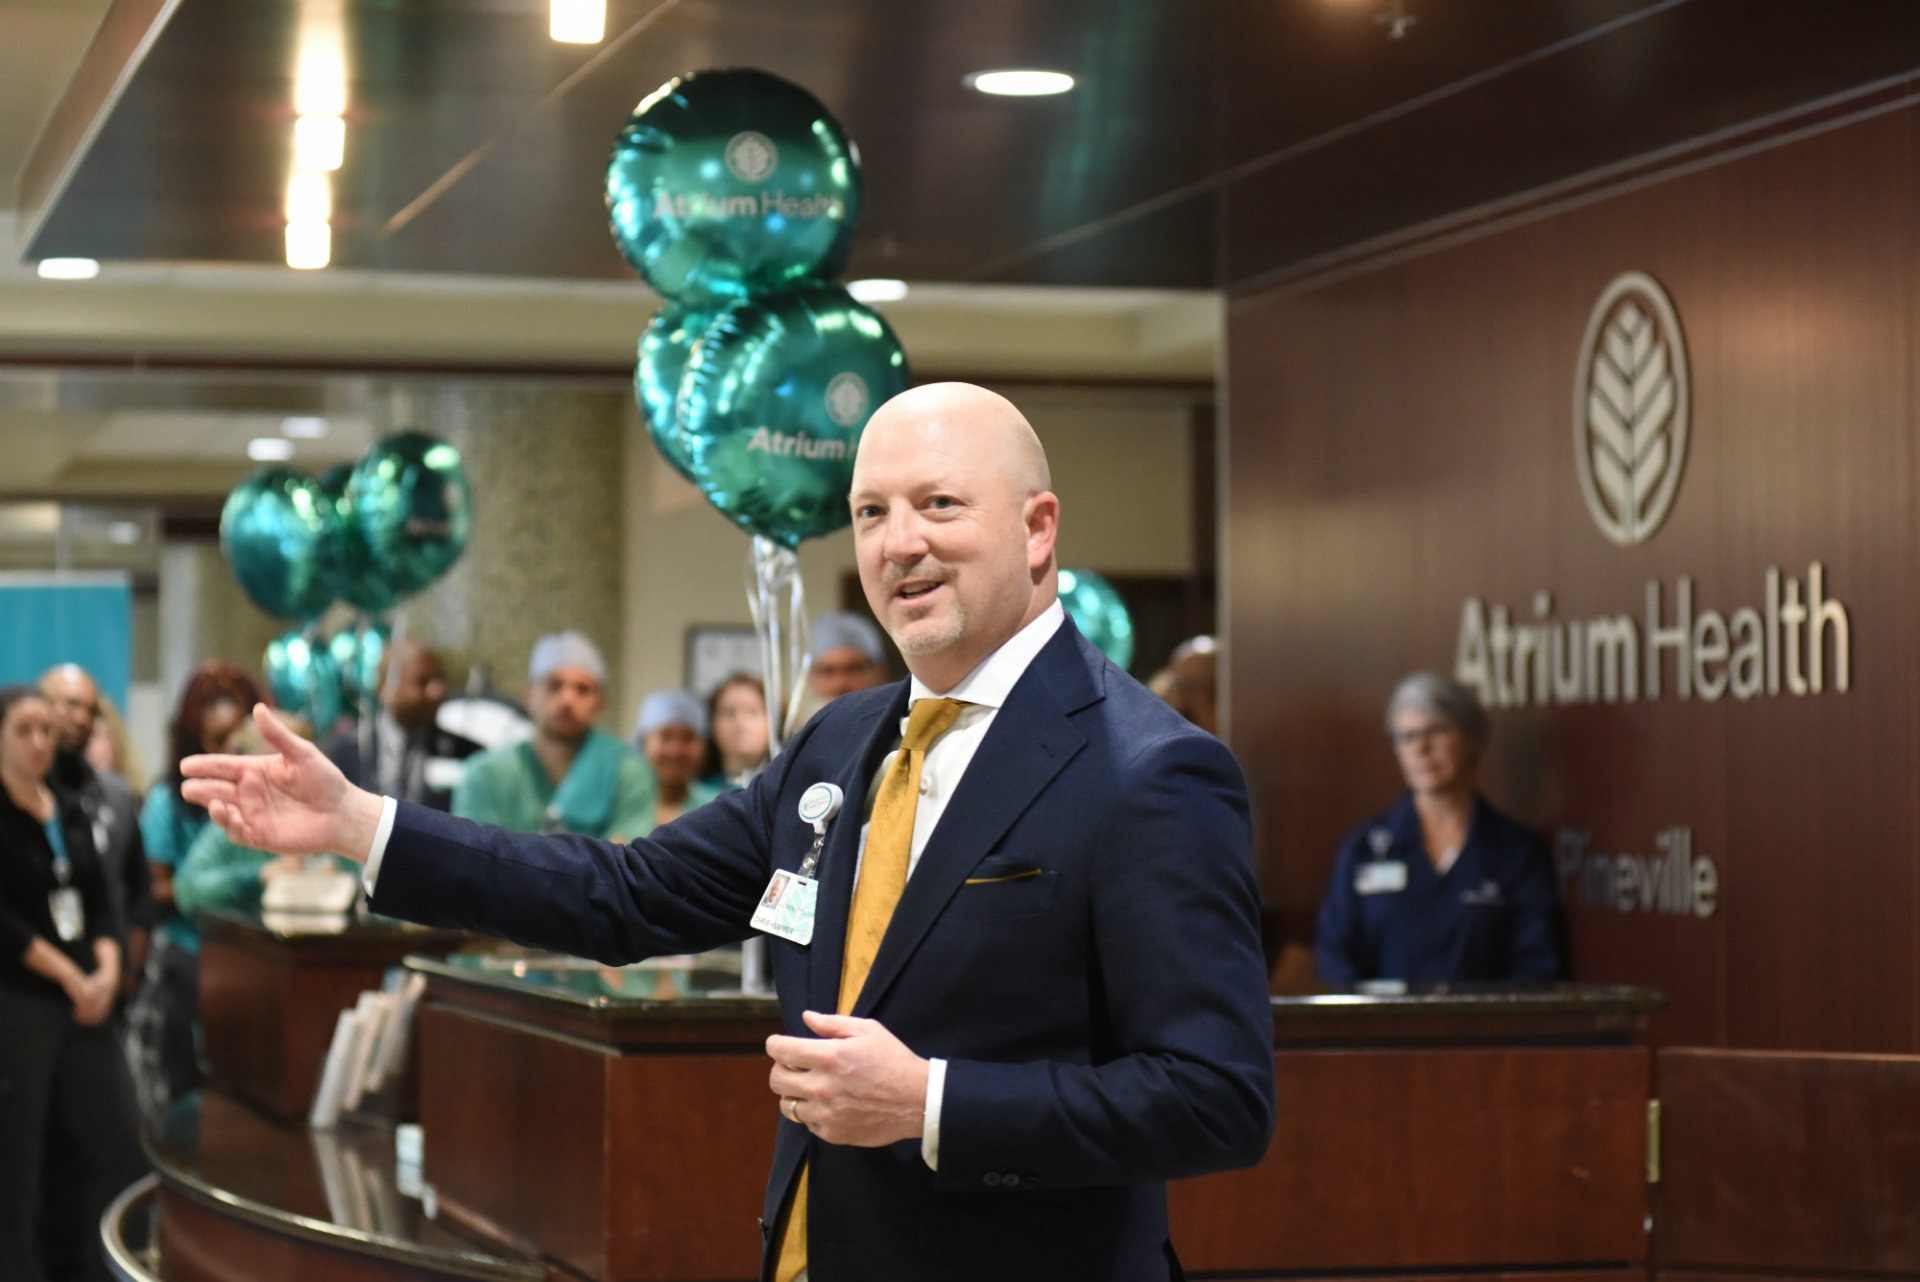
(371, 1014)
(333, 1078)
(391, 1059)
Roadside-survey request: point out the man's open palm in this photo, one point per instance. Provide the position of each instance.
(294, 802)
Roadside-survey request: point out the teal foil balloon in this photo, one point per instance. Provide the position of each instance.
(281, 535)
(412, 507)
(772, 404)
(1099, 613)
(356, 651)
(363, 584)
(304, 678)
(664, 349)
(729, 183)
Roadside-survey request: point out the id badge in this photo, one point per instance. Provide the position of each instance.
(1380, 877)
(786, 909)
(69, 916)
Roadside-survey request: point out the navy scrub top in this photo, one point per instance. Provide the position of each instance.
(1490, 917)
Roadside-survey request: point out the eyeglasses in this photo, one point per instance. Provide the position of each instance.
(1418, 734)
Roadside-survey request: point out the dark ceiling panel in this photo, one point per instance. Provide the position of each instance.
(1208, 144)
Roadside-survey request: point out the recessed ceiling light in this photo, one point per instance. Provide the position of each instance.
(68, 268)
(309, 245)
(303, 427)
(878, 291)
(270, 449)
(1020, 84)
(319, 142)
(578, 22)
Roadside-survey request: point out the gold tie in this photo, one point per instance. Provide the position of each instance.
(883, 875)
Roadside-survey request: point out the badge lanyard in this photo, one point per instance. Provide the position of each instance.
(786, 908)
(63, 901)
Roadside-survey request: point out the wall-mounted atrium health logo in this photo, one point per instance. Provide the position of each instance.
(1630, 409)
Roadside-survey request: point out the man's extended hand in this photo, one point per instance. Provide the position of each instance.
(855, 1084)
(295, 802)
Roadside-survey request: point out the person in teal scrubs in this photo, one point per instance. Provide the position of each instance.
(164, 1018)
(220, 873)
(569, 777)
(672, 732)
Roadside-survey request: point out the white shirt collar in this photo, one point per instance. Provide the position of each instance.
(989, 684)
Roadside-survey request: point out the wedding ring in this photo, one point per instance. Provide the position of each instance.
(793, 1110)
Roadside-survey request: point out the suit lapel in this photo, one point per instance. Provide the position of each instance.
(877, 735)
(1030, 740)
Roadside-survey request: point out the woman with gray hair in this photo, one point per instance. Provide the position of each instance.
(1441, 887)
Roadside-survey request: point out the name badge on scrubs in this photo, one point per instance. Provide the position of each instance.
(1380, 877)
(69, 916)
(786, 909)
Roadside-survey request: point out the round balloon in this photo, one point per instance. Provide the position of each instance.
(357, 651)
(664, 349)
(1099, 613)
(729, 183)
(281, 535)
(363, 584)
(412, 507)
(304, 678)
(772, 404)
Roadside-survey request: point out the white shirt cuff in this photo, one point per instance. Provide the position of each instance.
(371, 873)
(930, 1127)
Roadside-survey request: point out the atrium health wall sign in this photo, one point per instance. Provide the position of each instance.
(1631, 407)
(1644, 471)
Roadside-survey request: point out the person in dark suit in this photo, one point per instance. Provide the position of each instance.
(1031, 988)
(402, 752)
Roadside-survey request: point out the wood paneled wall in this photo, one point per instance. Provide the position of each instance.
(1400, 438)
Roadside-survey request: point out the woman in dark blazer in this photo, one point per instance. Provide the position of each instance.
(1441, 886)
(66, 1101)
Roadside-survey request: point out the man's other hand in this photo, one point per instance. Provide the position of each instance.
(856, 1083)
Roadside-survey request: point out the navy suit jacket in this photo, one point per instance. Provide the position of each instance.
(1080, 941)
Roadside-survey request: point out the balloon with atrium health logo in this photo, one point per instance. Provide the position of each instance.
(412, 506)
(728, 183)
(771, 407)
(664, 348)
(281, 536)
(304, 678)
(1099, 613)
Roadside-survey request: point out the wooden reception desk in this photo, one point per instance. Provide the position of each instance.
(272, 987)
(616, 1124)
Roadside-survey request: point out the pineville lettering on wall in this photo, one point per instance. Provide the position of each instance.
(1675, 882)
(1782, 645)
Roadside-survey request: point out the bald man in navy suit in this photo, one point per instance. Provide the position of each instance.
(1068, 1006)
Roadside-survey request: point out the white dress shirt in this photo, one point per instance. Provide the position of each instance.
(985, 688)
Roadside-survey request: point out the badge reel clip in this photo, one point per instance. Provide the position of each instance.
(786, 909)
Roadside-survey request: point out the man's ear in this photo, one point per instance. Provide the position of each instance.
(1042, 517)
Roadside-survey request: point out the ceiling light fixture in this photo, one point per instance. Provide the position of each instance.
(578, 22)
(877, 290)
(269, 449)
(303, 427)
(309, 197)
(68, 268)
(320, 64)
(319, 142)
(1020, 84)
(309, 245)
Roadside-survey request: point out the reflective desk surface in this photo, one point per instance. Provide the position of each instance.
(339, 1190)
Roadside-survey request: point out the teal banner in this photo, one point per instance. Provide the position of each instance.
(68, 618)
